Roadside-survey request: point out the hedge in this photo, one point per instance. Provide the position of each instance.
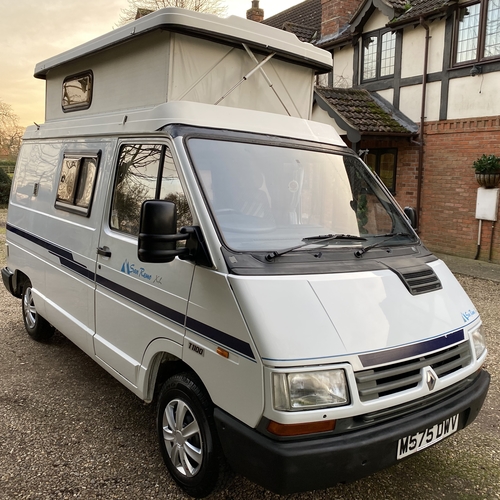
(5, 183)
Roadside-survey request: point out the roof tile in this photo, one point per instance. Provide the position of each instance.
(359, 108)
(307, 14)
(416, 8)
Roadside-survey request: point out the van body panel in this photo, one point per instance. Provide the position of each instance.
(288, 320)
(318, 317)
(155, 353)
(137, 303)
(215, 322)
(65, 244)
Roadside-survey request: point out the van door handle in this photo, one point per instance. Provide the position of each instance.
(104, 251)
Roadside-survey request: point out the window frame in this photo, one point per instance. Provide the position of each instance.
(379, 152)
(481, 35)
(378, 34)
(164, 148)
(79, 106)
(71, 205)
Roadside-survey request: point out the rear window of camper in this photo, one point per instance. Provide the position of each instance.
(77, 92)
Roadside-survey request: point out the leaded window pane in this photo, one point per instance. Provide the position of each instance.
(468, 31)
(492, 39)
(370, 58)
(388, 54)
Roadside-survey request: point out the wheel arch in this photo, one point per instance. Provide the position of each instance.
(19, 279)
(162, 359)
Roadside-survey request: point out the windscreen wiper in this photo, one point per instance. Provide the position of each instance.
(360, 252)
(311, 240)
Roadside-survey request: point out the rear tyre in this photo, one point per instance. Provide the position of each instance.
(38, 328)
(187, 436)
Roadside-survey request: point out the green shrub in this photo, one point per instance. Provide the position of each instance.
(487, 165)
(8, 165)
(5, 183)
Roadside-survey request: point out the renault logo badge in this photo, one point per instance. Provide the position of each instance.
(431, 380)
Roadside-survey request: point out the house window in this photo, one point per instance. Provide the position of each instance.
(477, 32)
(383, 163)
(379, 53)
(76, 183)
(145, 172)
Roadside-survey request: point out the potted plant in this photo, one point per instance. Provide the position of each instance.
(487, 169)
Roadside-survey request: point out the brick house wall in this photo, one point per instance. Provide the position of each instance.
(449, 187)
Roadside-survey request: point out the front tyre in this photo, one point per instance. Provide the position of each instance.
(38, 328)
(187, 435)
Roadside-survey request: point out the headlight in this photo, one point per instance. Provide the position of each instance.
(309, 390)
(479, 343)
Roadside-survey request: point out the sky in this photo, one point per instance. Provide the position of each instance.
(34, 30)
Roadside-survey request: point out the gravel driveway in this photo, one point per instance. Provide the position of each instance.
(69, 430)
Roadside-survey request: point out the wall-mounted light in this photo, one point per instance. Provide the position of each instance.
(475, 70)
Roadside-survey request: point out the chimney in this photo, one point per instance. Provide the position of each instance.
(255, 13)
(142, 12)
(335, 14)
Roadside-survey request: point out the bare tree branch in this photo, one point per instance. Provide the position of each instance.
(10, 132)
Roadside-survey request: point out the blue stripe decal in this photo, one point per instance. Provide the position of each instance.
(219, 337)
(410, 351)
(66, 259)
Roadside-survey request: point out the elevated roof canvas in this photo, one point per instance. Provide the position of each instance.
(232, 30)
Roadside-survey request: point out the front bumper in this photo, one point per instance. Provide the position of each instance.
(302, 465)
(8, 278)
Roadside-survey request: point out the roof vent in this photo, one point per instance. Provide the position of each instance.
(418, 279)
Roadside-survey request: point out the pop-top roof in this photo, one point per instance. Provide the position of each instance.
(232, 31)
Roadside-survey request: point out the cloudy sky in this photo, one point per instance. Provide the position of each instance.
(34, 30)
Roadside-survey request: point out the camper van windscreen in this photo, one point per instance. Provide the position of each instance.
(269, 198)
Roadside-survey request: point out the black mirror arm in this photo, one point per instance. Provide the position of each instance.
(196, 247)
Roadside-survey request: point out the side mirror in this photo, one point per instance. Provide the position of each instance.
(411, 213)
(158, 235)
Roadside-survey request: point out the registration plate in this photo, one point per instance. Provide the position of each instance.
(412, 444)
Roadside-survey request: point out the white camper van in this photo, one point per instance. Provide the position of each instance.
(180, 218)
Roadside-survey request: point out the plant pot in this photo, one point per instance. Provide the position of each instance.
(488, 180)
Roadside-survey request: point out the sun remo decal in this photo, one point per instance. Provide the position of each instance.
(467, 315)
(132, 270)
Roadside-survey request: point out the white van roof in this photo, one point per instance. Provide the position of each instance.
(232, 31)
(186, 113)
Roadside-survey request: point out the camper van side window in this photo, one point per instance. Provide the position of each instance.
(76, 184)
(145, 172)
(77, 92)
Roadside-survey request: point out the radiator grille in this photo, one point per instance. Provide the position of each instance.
(398, 377)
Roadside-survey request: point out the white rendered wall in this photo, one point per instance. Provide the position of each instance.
(388, 95)
(411, 101)
(412, 63)
(321, 116)
(470, 97)
(343, 67)
(377, 21)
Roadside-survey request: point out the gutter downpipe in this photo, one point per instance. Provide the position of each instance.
(422, 120)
